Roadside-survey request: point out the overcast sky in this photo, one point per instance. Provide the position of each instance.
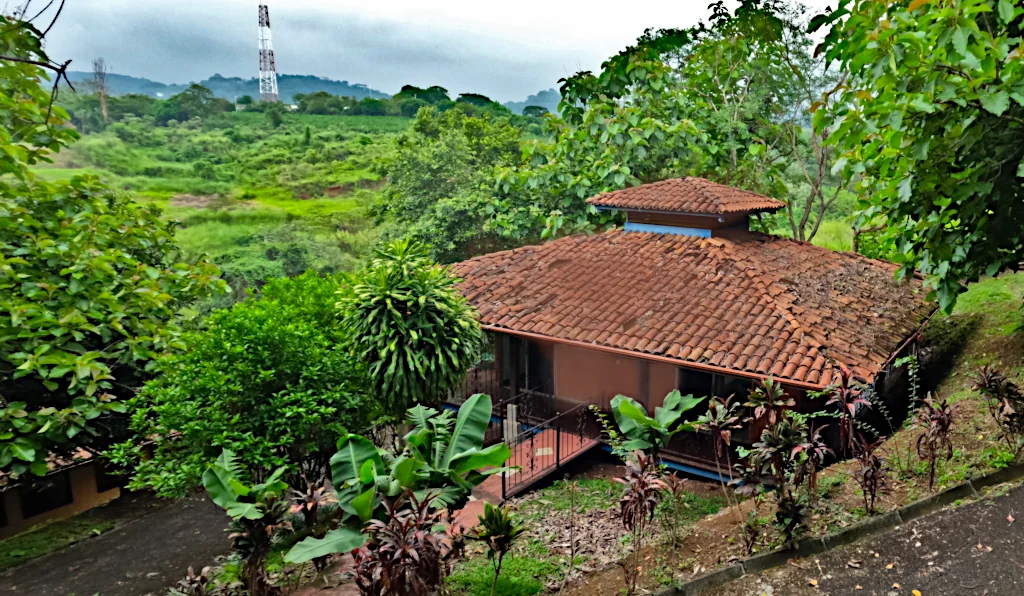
(505, 50)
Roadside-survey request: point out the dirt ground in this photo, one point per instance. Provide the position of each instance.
(976, 549)
(142, 557)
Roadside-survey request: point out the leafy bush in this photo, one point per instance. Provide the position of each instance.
(410, 326)
(265, 379)
(90, 293)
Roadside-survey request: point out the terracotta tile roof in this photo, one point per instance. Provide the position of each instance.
(686, 195)
(749, 302)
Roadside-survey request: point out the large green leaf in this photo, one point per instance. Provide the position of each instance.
(247, 510)
(218, 482)
(495, 455)
(353, 452)
(341, 540)
(470, 426)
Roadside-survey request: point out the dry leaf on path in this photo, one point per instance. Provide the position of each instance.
(895, 586)
(854, 563)
(890, 565)
(1010, 519)
(858, 587)
(812, 582)
(916, 592)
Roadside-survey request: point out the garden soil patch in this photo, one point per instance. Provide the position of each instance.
(143, 557)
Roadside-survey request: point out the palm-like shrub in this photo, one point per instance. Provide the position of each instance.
(720, 420)
(410, 326)
(768, 401)
(1005, 402)
(498, 529)
(643, 491)
(845, 395)
(935, 418)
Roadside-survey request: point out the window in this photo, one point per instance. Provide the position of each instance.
(695, 382)
(52, 493)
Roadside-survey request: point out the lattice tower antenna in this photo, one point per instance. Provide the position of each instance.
(268, 70)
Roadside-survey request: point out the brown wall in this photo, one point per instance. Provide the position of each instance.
(83, 492)
(591, 376)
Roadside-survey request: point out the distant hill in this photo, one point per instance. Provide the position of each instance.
(549, 99)
(230, 88)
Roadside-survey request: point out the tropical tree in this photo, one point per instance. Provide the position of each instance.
(439, 178)
(706, 101)
(929, 125)
(266, 379)
(410, 326)
(90, 290)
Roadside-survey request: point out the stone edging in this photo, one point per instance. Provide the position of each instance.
(870, 527)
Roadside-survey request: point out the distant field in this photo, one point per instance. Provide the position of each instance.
(259, 201)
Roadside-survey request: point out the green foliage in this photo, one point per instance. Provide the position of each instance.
(265, 378)
(89, 286)
(499, 529)
(704, 101)
(645, 433)
(929, 124)
(522, 576)
(195, 102)
(410, 326)
(257, 513)
(441, 458)
(439, 178)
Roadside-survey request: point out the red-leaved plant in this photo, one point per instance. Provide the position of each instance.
(935, 418)
(408, 551)
(1005, 402)
(845, 395)
(643, 490)
(870, 473)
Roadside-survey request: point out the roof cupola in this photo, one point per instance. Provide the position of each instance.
(687, 206)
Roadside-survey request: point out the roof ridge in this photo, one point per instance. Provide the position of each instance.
(701, 187)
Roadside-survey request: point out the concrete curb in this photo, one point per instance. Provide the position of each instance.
(870, 527)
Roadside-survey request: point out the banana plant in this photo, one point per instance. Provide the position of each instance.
(652, 434)
(258, 514)
(441, 455)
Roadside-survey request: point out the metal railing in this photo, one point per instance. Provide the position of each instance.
(544, 447)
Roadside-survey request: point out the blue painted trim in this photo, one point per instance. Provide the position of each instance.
(680, 467)
(658, 229)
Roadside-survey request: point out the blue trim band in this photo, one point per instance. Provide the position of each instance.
(659, 229)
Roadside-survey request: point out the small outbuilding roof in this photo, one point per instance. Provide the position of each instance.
(686, 195)
(750, 303)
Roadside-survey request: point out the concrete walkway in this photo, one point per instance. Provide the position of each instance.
(972, 550)
(145, 556)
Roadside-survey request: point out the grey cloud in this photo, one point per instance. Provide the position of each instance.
(178, 44)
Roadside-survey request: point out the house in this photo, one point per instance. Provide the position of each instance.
(74, 484)
(684, 296)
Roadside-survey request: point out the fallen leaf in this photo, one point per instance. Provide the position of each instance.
(876, 555)
(1009, 518)
(858, 587)
(890, 565)
(812, 582)
(854, 563)
(895, 586)
(916, 592)
(980, 547)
